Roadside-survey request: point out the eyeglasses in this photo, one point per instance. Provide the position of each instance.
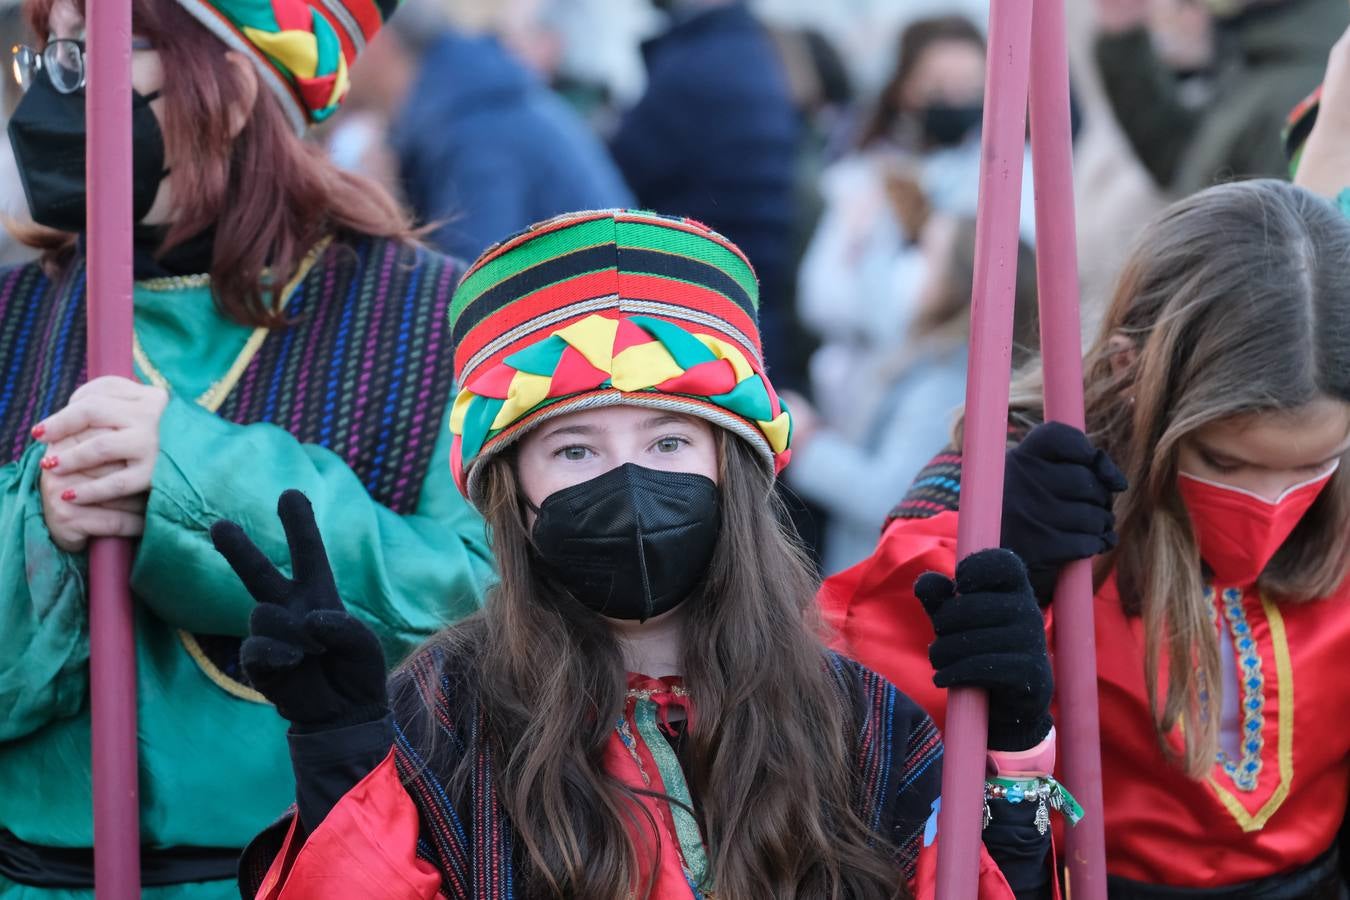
(62, 59)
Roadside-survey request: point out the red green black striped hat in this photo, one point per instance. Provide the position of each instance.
(304, 49)
(609, 308)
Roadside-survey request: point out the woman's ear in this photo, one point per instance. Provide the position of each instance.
(242, 110)
(1122, 352)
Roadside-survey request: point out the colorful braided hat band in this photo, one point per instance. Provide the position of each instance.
(304, 49)
(606, 309)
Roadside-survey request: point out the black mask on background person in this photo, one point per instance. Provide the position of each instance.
(948, 126)
(47, 132)
(632, 543)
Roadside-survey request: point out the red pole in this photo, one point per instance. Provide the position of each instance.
(112, 648)
(1062, 358)
(986, 431)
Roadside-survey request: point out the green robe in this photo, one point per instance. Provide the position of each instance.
(214, 768)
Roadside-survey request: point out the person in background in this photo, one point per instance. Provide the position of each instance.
(285, 321)
(716, 137)
(13, 208)
(918, 153)
(910, 398)
(1268, 55)
(824, 97)
(483, 146)
(1183, 34)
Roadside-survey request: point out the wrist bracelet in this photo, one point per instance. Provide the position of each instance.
(1045, 791)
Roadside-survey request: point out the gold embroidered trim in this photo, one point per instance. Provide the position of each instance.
(212, 671)
(217, 393)
(677, 690)
(211, 400)
(1284, 671)
(175, 283)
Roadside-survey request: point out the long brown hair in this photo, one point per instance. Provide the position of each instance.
(914, 41)
(1235, 302)
(947, 318)
(269, 194)
(769, 755)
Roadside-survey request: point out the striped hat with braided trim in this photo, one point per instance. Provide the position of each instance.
(304, 49)
(605, 309)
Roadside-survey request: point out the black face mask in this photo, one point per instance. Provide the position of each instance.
(47, 132)
(948, 126)
(632, 543)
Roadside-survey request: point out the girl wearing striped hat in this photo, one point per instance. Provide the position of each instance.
(288, 332)
(645, 706)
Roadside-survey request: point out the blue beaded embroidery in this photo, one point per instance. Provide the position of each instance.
(1245, 771)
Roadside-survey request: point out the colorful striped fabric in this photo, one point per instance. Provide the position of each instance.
(936, 489)
(468, 836)
(304, 49)
(608, 308)
(366, 371)
(42, 349)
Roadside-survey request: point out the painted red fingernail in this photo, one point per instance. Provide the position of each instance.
(38, 431)
(68, 495)
(50, 462)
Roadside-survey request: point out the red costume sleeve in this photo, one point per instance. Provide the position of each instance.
(874, 615)
(993, 886)
(366, 847)
(876, 619)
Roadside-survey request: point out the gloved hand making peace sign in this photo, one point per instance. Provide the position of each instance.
(321, 667)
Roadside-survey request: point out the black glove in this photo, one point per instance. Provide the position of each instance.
(991, 635)
(321, 667)
(1057, 502)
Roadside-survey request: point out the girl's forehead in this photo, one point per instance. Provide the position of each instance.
(624, 416)
(1279, 439)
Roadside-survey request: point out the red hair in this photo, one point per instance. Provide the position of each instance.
(269, 194)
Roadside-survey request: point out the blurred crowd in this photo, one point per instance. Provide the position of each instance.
(838, 144)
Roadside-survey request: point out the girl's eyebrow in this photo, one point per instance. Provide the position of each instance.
(663, 420)
(579, 430)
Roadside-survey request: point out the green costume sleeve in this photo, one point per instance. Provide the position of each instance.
(44, 641)
(405, 576)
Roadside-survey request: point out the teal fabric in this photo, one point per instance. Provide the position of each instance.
(214, 766)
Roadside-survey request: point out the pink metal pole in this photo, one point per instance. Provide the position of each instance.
(112, 664)
(1062, 354)
(986, 433)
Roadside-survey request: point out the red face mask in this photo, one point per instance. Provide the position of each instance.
(1239, 532)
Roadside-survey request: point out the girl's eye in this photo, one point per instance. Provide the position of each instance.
(573, 453)
(669, 444)
(1218, 466)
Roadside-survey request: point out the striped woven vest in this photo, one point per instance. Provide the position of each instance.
(471, 841)
(365, 371)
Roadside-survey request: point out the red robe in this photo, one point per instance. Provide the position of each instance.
(1283, 801)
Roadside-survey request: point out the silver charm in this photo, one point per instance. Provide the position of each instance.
(988, 815)
(1042, 817)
